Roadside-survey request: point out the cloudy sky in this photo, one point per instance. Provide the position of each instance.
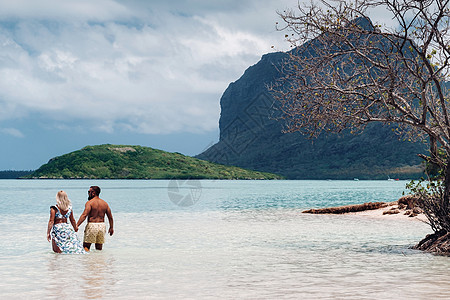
(82, 72)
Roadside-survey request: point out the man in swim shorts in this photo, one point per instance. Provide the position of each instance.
(95, 210)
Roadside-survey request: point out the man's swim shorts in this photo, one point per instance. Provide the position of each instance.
(95, 233)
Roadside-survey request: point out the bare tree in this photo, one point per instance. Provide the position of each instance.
(345, 72)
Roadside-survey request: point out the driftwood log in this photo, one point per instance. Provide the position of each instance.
(347, 208)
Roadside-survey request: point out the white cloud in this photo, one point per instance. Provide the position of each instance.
(145, 66)
(126, 67)
(63, 10)
(13, 132)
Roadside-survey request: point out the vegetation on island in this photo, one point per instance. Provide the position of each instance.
(137, 162)
(13, 174)
(370, 73)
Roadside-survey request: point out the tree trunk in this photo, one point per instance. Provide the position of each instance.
(438, 243)
(445, 199)
(433, 149)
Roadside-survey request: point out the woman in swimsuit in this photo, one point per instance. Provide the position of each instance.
(63, 238)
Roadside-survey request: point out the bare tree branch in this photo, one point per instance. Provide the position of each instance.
(344, 72)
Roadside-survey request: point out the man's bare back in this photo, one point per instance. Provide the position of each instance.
(95, 210)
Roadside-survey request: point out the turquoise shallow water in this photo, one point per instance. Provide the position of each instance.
(219, 240)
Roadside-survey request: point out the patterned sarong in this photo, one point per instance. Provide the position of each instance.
(66, 239)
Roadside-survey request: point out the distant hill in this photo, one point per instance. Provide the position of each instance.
(251, 138)
(13, 174)
(137, 162)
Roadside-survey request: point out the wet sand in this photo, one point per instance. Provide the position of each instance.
(380, 213)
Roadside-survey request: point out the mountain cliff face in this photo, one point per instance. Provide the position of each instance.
(251, 138)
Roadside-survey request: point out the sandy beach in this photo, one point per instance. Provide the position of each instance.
(380, 213)
(404, 208)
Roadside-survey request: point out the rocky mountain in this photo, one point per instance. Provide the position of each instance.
(251, 138)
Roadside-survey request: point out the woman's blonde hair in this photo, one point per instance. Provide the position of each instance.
(63, 201)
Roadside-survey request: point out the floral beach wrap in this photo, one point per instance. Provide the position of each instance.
(66, 239)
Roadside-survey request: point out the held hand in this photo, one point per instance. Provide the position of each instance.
(75, 228)
(111, 231)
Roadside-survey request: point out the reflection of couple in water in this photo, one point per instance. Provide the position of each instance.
(63, 238)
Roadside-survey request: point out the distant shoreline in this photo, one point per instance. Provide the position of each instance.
(200, 178)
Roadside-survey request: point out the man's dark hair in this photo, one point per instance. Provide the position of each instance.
(96, 189)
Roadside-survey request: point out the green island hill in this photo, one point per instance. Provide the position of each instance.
(137, 162)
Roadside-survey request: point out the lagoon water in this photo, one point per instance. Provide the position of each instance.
(218, 240)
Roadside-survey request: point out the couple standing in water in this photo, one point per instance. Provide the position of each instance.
(63, 238)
